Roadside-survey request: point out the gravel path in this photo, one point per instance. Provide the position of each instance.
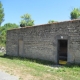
(6, 76)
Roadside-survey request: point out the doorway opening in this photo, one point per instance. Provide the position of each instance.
(62, 51)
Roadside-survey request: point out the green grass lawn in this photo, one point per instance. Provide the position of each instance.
(27, 69)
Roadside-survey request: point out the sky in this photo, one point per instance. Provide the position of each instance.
(41, 11)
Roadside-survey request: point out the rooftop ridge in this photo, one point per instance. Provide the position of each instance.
(47, 24)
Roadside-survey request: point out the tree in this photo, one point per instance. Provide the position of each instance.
(26, 20)
(1, 13)
(4, 29)
(8, 26)
(51, 21)
(75, 13)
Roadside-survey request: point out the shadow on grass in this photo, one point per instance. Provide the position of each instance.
(44, 62)
(72, 65)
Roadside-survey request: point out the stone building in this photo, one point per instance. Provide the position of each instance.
(51, 42)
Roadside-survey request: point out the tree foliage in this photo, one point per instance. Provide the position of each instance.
(51, 21)
(75, 13)
(4, 29)
(1, 13)
(26, 20)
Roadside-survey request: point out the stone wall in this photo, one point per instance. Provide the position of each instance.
(41, 41)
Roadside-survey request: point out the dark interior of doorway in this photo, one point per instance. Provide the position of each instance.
(62, 51)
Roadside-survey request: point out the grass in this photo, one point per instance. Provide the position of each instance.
(29, 69)
(2, 44)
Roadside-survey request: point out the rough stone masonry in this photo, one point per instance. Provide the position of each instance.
(41, 41)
